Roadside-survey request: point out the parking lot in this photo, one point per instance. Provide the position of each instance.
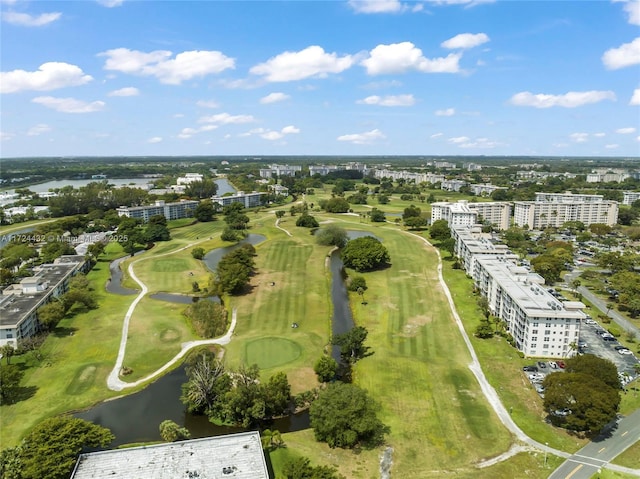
(595, 344)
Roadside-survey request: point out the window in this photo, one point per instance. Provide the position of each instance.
(535, 325)
(547, 339)
(548, 331)
(535, 338)
(535, 331)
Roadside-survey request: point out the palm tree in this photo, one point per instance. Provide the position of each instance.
(271, 439)
(7, 351)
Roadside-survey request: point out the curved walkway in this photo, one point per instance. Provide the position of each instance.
(488, 390)
(281, 228)
(113, 380)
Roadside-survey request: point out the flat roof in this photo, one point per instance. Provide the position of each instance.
(237, 456)
(530, 296)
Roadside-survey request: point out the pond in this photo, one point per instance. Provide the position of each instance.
(212, 258)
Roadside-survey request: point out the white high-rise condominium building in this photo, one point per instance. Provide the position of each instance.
(630, 196)
(555, 209)
(464, 213)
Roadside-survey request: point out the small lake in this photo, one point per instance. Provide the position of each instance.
(5, 238)
(212, 258)
(137, 417)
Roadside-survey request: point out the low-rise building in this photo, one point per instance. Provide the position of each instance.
(171, 211)
(485, 189)
(628, 197)
(279, 190)
(237, 456)
(189, 178)
(452, 185)
(19, 302)
(279, 170)
(249, 200)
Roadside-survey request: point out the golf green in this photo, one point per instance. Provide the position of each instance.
(170, 265)
(271, 352)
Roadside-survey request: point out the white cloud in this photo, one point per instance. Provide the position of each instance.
(226, 119)
(481, 143)
(313, 61)
(579, 137)
(437, 135)
(155, 139)
(600, 135)
(571, 99)
(189, 132)
(635, 98)
(69, 105)
(447, 112)
(127, 91)
(389, 100)
(405, 56)
(207, 104)
(459, 139)
(26, 20)
(625, 55)
(173, 71)
(6, 136)
(465, 40)
(287, 130)
(363, 138)
(111, 3)
(38, 130)
(612, 146)
(377, 6)
(277, 135)
(178, 115)
(632, 7)
(637, 138)
(50, 76)
(466, 3)
(274, 98)
(626, 131)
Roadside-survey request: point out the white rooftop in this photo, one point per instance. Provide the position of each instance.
(234, 456)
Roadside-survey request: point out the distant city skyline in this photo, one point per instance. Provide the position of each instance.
(376, 77)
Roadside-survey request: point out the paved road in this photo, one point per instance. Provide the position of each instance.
(588, 460)
(602, 305)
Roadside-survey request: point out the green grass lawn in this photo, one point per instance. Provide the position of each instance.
(630, 457)
(271, 352)
(6, 229)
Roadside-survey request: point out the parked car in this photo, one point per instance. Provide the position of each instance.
(530, 369)
(562, 412)
(560, 364)
(539, 388)
(536, 377)
(542, 365)
(553, 365)
(589, 321)
(624, 352)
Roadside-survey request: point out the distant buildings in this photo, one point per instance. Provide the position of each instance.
(409, 176)
(248, 200)
(279, 190)
(452, 185)
(628, 197)
(189, 178)
(19, 302)
(604, 175)
(237, 456)
(171, 211)
(555, 209)
(279, 170)
(540, 325)
(464, 213)
(485, 189)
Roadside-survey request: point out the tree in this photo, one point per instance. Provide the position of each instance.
(234, 270)
(197, 253)
(377, 216)
(307, 221)
(205, 211)
(599, 229)
(156, 229)
(50, 314)
(357, 282)
(365, 254)
(271, 439)
(449, 245)
(7, 351)
(280, 214)
(351, 343)
(332, 235)
(171, 432)
(337, 205)
(277, 395)
(326, 368)
(415, 222)
(484, 330)
(588, 404)
(208, 318)
(55, 249)
(600, 368)
(301, 468)
(10, 377)
(207, 384)
(231, 235)
(202, 189)
(439, 230)
(11, 463)
(345, 416)
(50, 450)
(411, 212)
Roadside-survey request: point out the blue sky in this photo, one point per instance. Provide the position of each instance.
(382, 77)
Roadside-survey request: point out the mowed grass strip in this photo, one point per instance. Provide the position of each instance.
(290, 286)
(271, 352)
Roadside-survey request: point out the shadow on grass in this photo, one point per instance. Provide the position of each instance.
(61, 332)
(22, 394)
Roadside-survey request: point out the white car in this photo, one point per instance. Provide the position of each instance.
(553, 365)
(589, 321)
(624, 351)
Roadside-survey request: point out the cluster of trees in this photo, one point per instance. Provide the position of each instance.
(365, 254)
(553, 261)
(412, 217)
(377, 216)
(627, 283)
(80, 295)
(10, 377)
(208, 318)
(307, 221)
(50, 450)
(237, 222)
(171, 431)
(234, 271)
(301, 468)
(336, 204)
(587, 394)
(135, 233)
(234, 397)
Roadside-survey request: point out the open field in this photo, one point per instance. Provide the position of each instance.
(630, 457)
